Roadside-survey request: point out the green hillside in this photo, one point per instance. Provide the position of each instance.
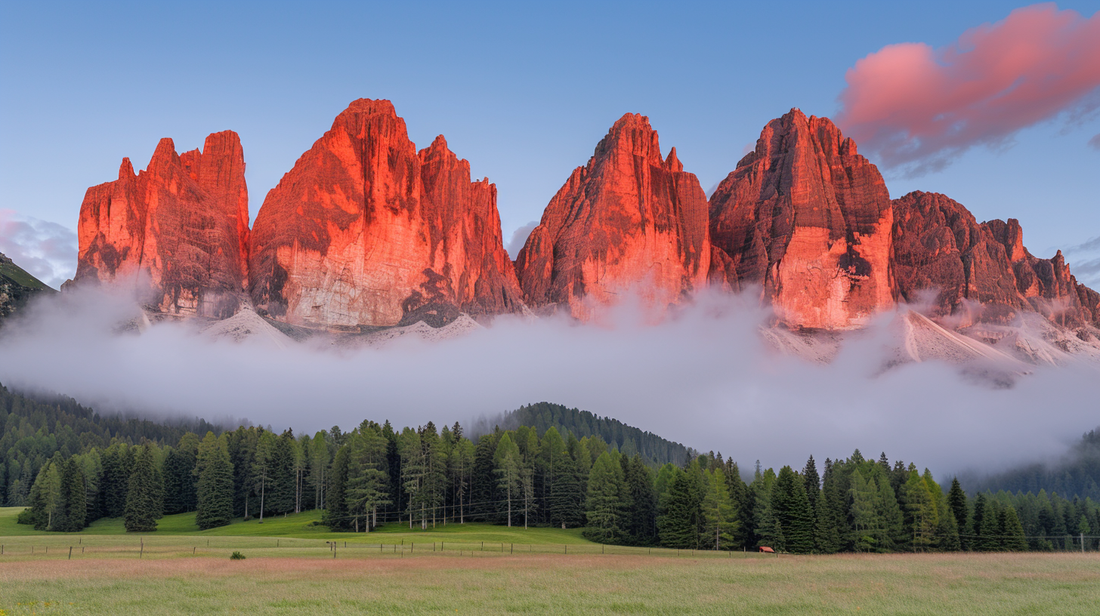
(17, 286)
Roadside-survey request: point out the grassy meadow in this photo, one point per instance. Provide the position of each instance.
(289, 568)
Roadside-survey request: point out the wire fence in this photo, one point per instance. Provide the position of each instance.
(356, 547)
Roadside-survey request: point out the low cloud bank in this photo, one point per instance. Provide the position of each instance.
(918, 107)
(704, 378)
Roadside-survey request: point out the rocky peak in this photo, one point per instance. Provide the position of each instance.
(939, 246)
(178, 230)
(365, 231)
(629, 221)
(808, 219)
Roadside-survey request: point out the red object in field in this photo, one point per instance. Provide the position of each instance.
(766, 549)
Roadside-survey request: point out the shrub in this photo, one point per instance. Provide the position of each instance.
(236, 556)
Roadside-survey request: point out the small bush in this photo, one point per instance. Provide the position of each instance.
(236, 556)
(24, 517)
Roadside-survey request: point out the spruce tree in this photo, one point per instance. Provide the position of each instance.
(765, 525)
(509, 472)
(956, 502)
(866, 524)
(604, 506)
(144, 494)
(974, 538)
(336, 515)
(1014, 538)
(813, 483)
(829, 516)
(214, 490)
(367, 482)
(180, 477)
(639, 524)
(893, 535)
(719, 511)
(991, 539)
(792, 511)
(73, 506)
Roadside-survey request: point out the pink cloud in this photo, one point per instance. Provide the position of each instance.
(919, 107)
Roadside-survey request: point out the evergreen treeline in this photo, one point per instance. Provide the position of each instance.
(34, 430)
(424, 477)
(628, 440)
(1075, 475)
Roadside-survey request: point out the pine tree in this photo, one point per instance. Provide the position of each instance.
(974, 540)
(867, 525)
(893, 535)
(336, 515)
(682, 511)
(719, 511)
(792, 511)
(73, 506)
(1014, 537)
(827, 533)
(813, 483)
(991, 538)
(214, 489)
(180, 477)
(509, 471)
(920, 511)
(366, 489)
(567, 494)
(145, 493)
(483, 481)
(765, 525)
(639, 527)
(604, 505)
(956, 502)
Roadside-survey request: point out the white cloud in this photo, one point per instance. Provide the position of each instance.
(45, 249)
(519, 238)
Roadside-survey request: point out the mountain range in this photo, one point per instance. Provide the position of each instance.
(365, 231)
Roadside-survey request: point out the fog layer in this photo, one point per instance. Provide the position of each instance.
(704, 378)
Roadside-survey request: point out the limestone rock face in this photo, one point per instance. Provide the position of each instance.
(809, 219)
(939, 246)
(628, 221)
(179, 228)
(364, 231)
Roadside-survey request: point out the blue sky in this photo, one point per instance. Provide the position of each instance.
(522, 91)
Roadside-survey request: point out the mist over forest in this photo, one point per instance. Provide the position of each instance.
(702, 377)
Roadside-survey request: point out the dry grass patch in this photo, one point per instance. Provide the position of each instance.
(558, 584)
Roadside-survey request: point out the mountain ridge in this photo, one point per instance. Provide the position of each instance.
(365, 232)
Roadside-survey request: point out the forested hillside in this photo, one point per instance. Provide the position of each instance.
(36, 429)
(89, 467)
(1076, 474)
(628, 440)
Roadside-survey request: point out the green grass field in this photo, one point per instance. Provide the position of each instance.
(290, 569)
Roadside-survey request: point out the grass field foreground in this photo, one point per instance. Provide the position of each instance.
(292, 569)
(559, 584)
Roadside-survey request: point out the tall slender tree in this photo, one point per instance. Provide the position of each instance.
(604, 506)
(214, 489)
(145, 493)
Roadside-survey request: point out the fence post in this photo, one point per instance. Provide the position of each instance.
(70, 552)
(1082, 543)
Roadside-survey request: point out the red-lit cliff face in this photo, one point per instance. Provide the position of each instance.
(629, 221)
(178, 228)
(940, 246)
(366, 231)
(809, 219)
